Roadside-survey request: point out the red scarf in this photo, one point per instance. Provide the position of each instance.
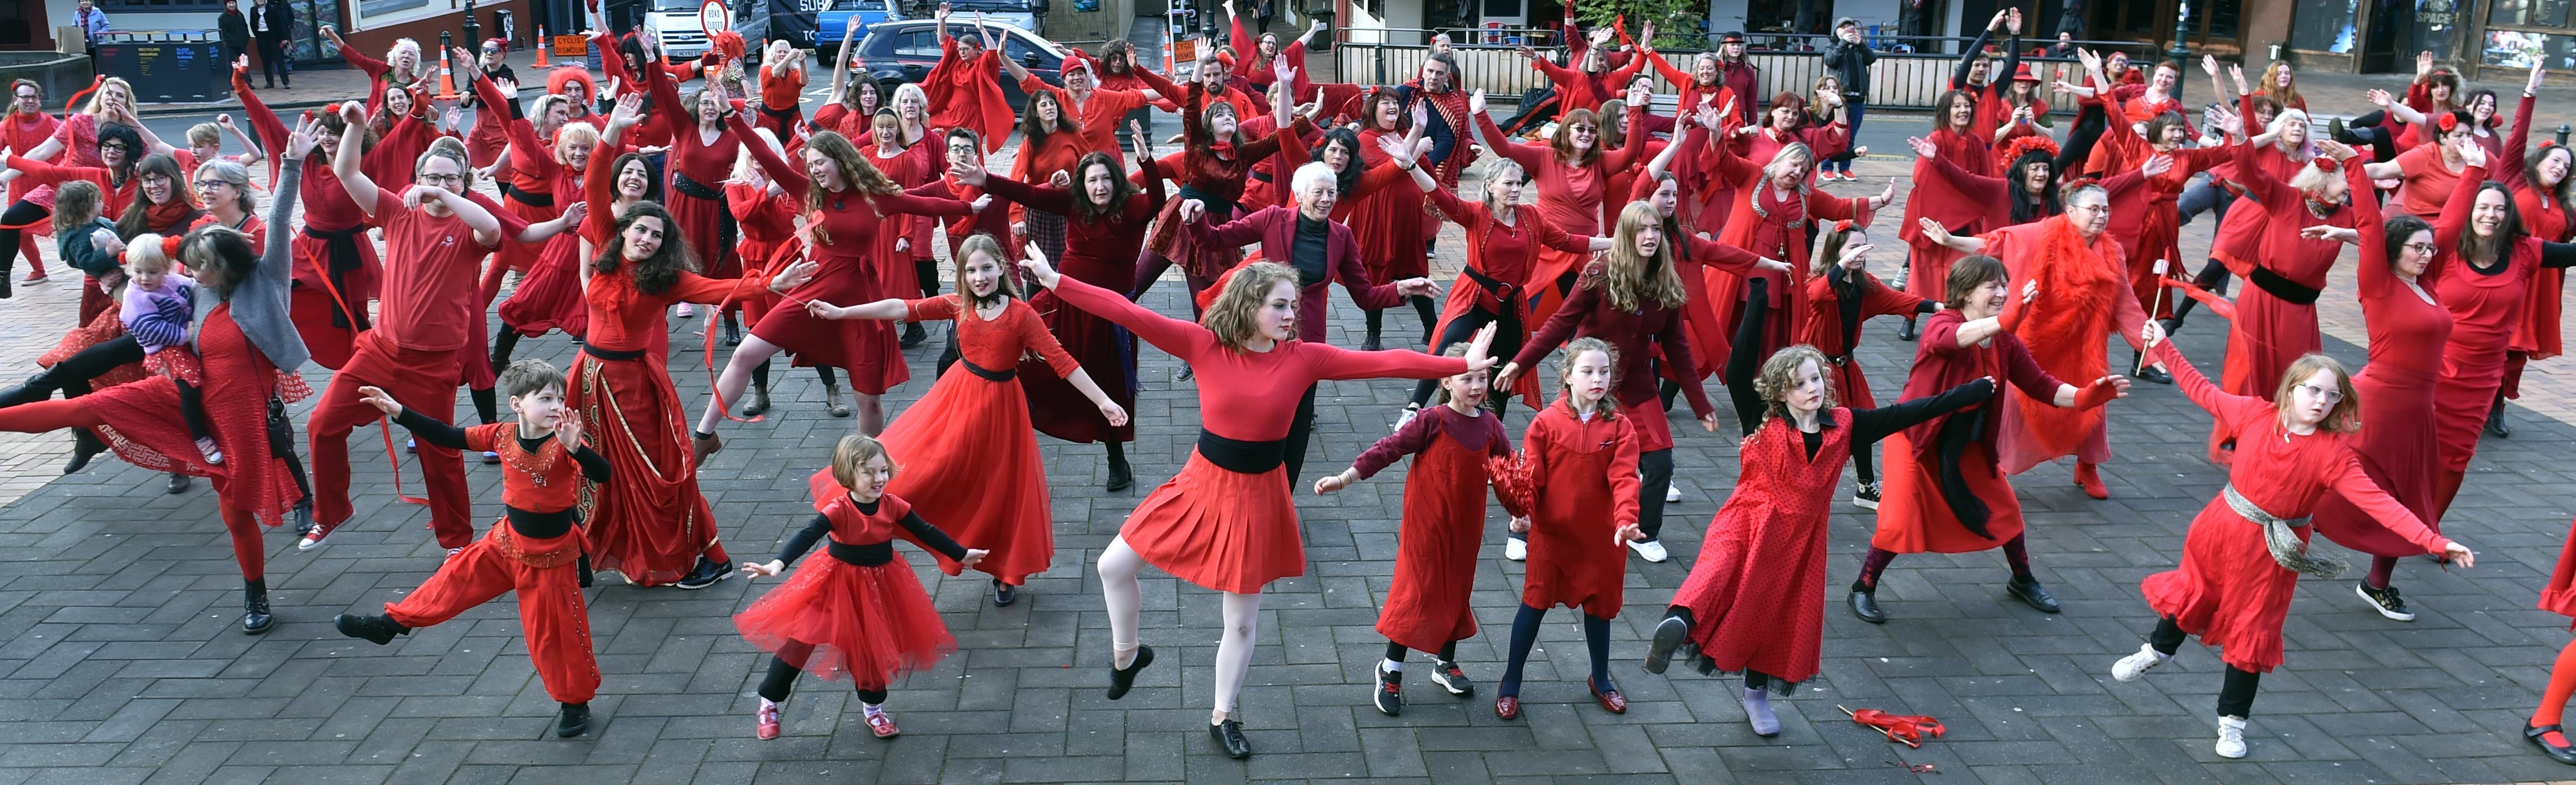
(169, 217)
(2065, 330)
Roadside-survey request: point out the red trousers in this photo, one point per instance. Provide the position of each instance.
(55, 415)
(421, 380)
(550, 606)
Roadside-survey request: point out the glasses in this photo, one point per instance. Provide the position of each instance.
(30, 97)
(2424, 249)
(2330, 397)
(116, 146)
(212, 183)
(441, 178)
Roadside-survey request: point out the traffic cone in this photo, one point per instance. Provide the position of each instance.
(446, 79)
(543, 43)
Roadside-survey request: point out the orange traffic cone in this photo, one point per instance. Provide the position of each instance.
(446, 79)
(543, 43)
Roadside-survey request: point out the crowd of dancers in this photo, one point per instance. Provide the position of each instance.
(1657, 252)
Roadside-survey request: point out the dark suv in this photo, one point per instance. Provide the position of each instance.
(905, 51)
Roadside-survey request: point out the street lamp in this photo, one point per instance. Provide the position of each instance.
(2182, 30)
(473, 29)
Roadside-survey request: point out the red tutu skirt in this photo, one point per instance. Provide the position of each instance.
(1222, 530)
(971, 467)
(833, 618)
(549, 296)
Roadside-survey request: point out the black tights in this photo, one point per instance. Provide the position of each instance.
(1396, 651)
(1596, 639)
(1507, 342)
(2235, 694)
(2213, 277)
(1655, 471)
(1422, 306)
(760, 377)
(20, 213)
(2016, 555)
(782, 677)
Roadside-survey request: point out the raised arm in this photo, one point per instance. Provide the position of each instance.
(361, 189)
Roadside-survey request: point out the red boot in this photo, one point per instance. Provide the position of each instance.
(2089, 477)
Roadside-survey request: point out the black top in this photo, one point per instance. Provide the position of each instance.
(529, 523)
(1308, 252)
(2551, 255)
(870, 554)
(1868, 425)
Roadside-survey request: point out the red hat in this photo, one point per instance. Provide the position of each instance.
(1075, 60)
(1227, 59)
(2023, 74)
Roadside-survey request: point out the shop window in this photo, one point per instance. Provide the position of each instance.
(2326, 27)
(2518, 49)
(2529, 13)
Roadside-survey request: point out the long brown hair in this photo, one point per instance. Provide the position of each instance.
(1235, 316)
(1608, 406)
(1036, 129)
(1119, 191)
(1626, 278)
(863, 177)
(1563, 139)
(2485, 251)
(137, 217)
(653, 274)
(2345, 417)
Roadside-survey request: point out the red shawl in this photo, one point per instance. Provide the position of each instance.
(969, 95)
(2066, 331)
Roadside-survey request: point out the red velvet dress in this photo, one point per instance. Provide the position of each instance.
(2485, 306)
(1914, 512)
(1221, 529)
(2228, 590)
(846, 229)
(2397, 445)
(1574, 198)
(1639, 336)
(1757, 592)
(1582, 467)
(2270, 332)
(652, 523)
(968, 454)
(1928, 272)
(1427, 606)
(1772, 224)
(1100, 252)
(834, 618)
(1499, 257)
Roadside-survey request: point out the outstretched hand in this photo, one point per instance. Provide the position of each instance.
(383, 401)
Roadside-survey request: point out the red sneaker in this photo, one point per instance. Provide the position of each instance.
(883, 725)
(768, 716)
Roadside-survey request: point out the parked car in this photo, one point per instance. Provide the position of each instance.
(831, 21)
(905, 51)
(676, 21)
(1022, 14)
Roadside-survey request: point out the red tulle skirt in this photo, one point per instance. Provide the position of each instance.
(971, 467)
(834, 618)
(2228, 590)
(650, 523)
(549, 296)
(1222, 530)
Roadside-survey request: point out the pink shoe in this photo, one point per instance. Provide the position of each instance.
(883, 725)
(768, 716)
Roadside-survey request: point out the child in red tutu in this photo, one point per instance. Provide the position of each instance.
(1444, 525)
(1582, 455)
(973, 453)
(860, 613)
(536, 547)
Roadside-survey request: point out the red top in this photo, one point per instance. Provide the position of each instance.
(1114, 238)
(1588, 313)
(533, 168)
(2285, 209)
(780, 93)
(1692, 94)
(1247, 395)
(112, 199)
(554, 487)
(839, 119)
(625, 319)
(969, 95)
(2484, 305)
(1203, 171)
(319, 194)
(1587, 90)
(1557, 433)
(1569, 196)
(428, 299)
(1100, 118)
(1476, 430)
(2428, 181)
(995, 344)
(1501, 252)
(2407, 330)
(1040, 159)
(1936, 198)
(993, 220)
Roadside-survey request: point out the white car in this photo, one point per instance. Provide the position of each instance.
(676, 23)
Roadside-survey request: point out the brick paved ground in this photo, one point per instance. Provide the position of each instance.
(122, 659)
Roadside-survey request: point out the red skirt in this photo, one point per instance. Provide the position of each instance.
(104, 327)
(2228, 590)
(145, 429)
(1435, 553)
(520, 256)
(702, 222)
(2559, 596)
(1927, 273)
(1172, 241)
(2538, 332)
(1914, 516)
(1547, 267)
(1388, 225)
(1106, 351)
(1219, 529)
(1574, 558)
(549, 296)
(971, 467)
(866, 348)
(331, 345)
(834, 618)
(1757, 593)
(650, 523)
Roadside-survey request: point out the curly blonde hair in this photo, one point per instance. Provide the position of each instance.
(1628, 278)
(1235, 316)
(1780, 375)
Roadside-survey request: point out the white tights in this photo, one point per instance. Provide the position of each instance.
(1118, 567)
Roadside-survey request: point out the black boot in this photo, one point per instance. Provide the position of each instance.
(38, 387)
(255, 618)
(1864, 604)
(2495, 419)
(1375, 320)
(179, 483)
(1905, 332)
(913, 335)
(1120, 478)
(85, 445)
(575, 720)
(733, 332)
(374, 628)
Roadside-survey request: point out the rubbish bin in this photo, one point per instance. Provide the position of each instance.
(166, 66)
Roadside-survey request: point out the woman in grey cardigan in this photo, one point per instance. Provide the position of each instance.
(249, 350)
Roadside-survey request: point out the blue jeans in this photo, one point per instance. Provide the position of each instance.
(2202, 196)
(1841, 162)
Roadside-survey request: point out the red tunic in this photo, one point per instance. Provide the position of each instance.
(1757, 593)
(2428, 181)
(2397, 447)
(1571, 196)
(651, 523)
(1499, 257)
(1936, 198)
(1586, 89)
(1101, 253)
(1772, 224)
(2228, 590)
(1221, 529)
(970, 458)
(834, 618)
(1824, 329)
(1427, 606)
(1582, 467)
(845, 229)
(1915, 514)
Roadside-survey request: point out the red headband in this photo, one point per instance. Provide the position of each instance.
(2330, 166)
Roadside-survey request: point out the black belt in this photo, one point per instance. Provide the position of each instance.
(2288, 290)
(682, 183)
(1491, 284)
(989, 374)
(1261, 176)
(540, 525)
(860, 555)
(529, 198)
(597, 353)
(1219, 210)
(787, 112)
(1240, 456)
(340, 257)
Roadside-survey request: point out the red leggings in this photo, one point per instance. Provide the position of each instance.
(2562, 683)
(55, 415)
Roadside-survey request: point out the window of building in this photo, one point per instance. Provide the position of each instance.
(158, 6)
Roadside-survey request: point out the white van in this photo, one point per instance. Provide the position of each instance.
(676, 22)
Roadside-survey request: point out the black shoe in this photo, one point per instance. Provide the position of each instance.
(2385, 601)
(1905, 332)
(707, 574)
(1004, 594)
(1389, 694)
(85, 445)
(179, 483)
(1121, 679)
(1669, 635)
(1186, 373)
(2538, 737)
(2336, 131)
(2029, 591)
(1864, 604)
(2154, 374)
(1229, 736)
(733, 332)
(575, 720)
(376, 629)
(255, 616)
(1371, 344)
(1119, 476)
(2495, 421)
(913, 335)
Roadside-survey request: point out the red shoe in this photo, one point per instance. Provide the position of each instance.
(1508, 707)
(2089, 477)
(1610, 698)
(768, 720)
(883, 725)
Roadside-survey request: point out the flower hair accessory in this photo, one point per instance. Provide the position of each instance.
(2326, 164)
(2448, 122)
(1843, 226)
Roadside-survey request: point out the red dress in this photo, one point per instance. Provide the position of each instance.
(1915, 513)
(1639, 336)
(2485, 306)
(2543, 216)
(1222, 529)
(969, 95)
(2559, 596)
(652, 523)
(1928, 272)
(1100, 252)
(845, 229)
(1757, 593)
(698, 169)
(2397, 445)
(835, 618)
(769, 241)
(968, 453)
(1499, 257)
(1573, 197)
(143, 426)
(2084, 300)
(1581, 468)
(1427, 606)
(549, 296)
(2228, 590)
(1217, 181)
(331, 289)
(2271, 330)
(1825, 329)
(1386, 215)
(1772, 224)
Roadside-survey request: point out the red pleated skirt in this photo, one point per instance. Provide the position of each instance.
(2228, 590)
(833, 618)
(1222, 530)
(650, 523)
(971, 467)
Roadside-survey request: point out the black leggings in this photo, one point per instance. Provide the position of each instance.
(1507, 342)
(1422, 306)
(782, 677)
(20, 213)
(1396, 651)
(72, 375)
(2235, 694)
(760, 376)
(1655, 470)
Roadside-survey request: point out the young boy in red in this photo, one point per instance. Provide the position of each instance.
(535, 549)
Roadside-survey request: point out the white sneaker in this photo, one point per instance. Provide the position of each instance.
(1406, 417)
(213, 454)
(2129, 668)
(1652, 550)
(451, 552)
(686, 311)
(1672, 493)
(2231, 737)
(1515, 549)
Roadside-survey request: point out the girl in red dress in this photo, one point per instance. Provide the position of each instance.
(973, 455)
(1944, 493)
(1581, 452)
(1755, 601)
(1840, 299)
(1226, 522)
(851, 202)
(2242, 559)
(763, 212)
(701, 158)
(2484, 282)
(1444, 526)
(860, 613)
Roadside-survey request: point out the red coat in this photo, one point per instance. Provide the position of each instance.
(1582, 467)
